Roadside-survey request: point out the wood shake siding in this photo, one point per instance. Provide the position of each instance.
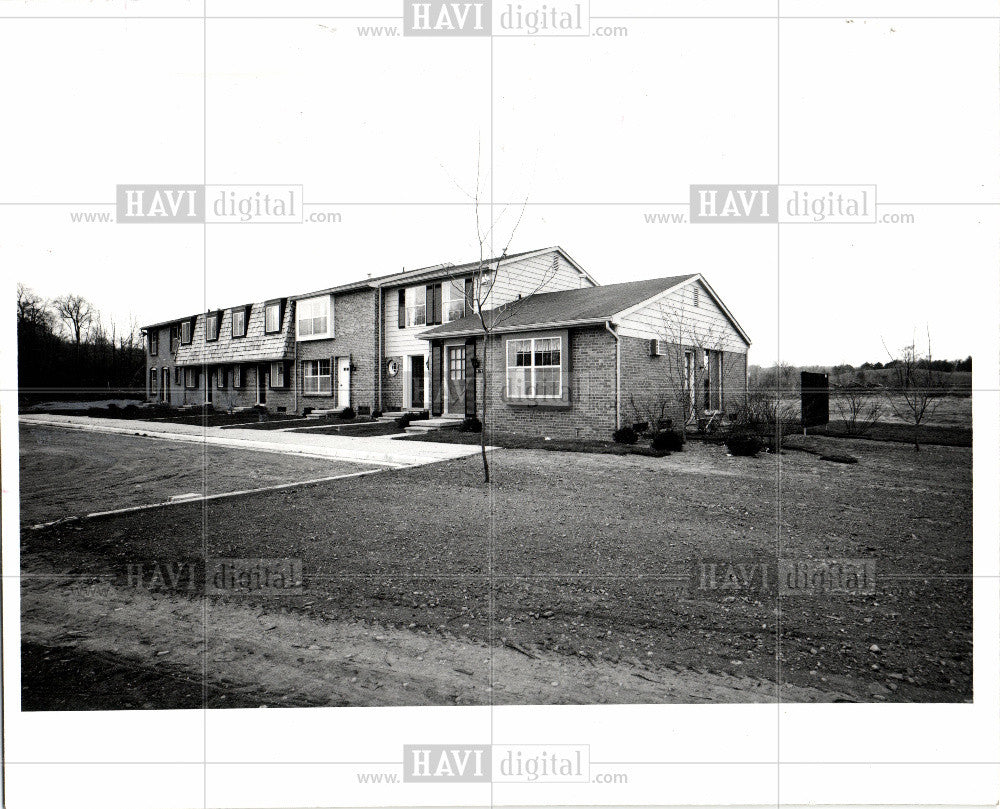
(255, 347)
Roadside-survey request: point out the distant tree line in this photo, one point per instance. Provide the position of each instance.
(65, 348)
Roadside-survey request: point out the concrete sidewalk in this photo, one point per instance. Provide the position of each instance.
(372, 449)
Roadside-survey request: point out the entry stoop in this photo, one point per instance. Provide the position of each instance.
(430, 425)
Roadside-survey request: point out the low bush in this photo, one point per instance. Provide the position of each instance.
(744, 444)
(348, 413)
(625, 435)
(640, 427)
(667, 441)
(471, 425)
(404, 421)
(377, 414)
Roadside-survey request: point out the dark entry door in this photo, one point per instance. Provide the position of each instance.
(261, 384)
(417, 382)
(456, 379)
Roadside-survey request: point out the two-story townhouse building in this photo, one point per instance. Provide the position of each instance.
(230, 358)
(418, 375)
(564, 357)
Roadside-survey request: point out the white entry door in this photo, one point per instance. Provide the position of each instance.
(343, 381)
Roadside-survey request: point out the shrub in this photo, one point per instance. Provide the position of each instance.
(745, 444)
(364, 410)
(471, 425)
(626, 435)
(667, 441)
(348, 413)
(641, 426)
(404, 421)
(377, 414)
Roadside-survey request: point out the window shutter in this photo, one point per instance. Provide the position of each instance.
(438, 304)
(468, 296)
(402, 308)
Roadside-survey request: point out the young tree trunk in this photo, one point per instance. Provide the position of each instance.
(482, 432)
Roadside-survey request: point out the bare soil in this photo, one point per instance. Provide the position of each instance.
(68, 473)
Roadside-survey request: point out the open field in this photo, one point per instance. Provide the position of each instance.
(588, 559)
(68, 473)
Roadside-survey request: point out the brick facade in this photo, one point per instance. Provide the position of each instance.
(649, 382)
(354, 316)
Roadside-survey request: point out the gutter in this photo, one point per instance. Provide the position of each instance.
(610, 328)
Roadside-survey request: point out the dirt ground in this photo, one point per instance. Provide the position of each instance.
(73, 472)
(575, 564)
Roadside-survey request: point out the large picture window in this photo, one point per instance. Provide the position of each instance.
(534, 368)
(316, 378)
(313, 318)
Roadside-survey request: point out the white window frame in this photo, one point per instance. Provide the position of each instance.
(190, 379)
(212, 332)
(154, 343)
(447, 290)
(242, 314)
(237, 376)
(276, 307)
(416, 307)
(305, 327)
(533, 385)
(220, 378)
(190, 333)
(277, 376)
(312, 378)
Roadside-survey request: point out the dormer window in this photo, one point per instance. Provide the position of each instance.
(239, 316)
(212, 322)
(272, 317)
(185, 332)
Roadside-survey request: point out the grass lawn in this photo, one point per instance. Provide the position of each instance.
(74, 472)
(357, 429)
(590, 557)
(452, 435)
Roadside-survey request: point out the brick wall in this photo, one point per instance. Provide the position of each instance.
(590, 376)
(649, 382)
(354, 327)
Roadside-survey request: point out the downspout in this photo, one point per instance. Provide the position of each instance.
(295, 376)
(609, 326)
(379, 317)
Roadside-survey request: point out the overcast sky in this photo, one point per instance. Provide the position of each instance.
(594, 133)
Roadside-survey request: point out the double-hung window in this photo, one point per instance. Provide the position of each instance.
(316, 377)
(277, 374)
(220, 377)
(455, 299)
(237, 376)
(272, 317)
(212, 327)
(239, 316)
(191, 378)
(534, 368)
(185, 332)
(154, 343)
(313, 318)
(416, 306)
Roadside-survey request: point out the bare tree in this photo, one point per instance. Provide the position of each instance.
(76, 313)
(683, 339)
(492, 312)
(32, 309)
(858, 408)
(917, 389)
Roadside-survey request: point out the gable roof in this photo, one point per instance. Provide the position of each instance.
(569, 307)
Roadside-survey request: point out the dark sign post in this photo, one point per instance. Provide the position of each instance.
(815, 399)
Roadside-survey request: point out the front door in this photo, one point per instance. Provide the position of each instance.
(343, 381)
(261, 384)
(689, 376)
(456, 380)
(209, 386)
(417, 382)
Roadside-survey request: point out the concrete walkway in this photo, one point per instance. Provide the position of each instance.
(372, 449)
